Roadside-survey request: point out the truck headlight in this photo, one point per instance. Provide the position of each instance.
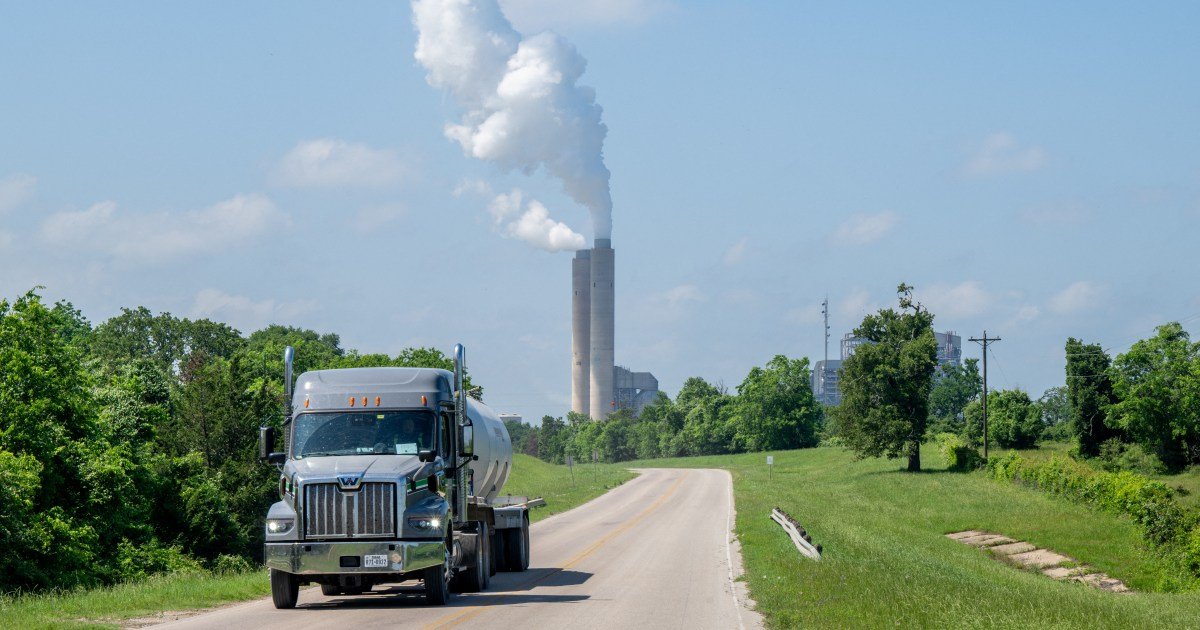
(280, 525)
(424, 523)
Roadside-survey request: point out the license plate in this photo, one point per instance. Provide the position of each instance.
(375, 562)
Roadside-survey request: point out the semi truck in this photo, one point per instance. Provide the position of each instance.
(387, 475)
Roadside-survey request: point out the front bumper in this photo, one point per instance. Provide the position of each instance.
(317, 558)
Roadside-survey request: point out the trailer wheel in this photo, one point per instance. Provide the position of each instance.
(437, 584)
(500, 550)
(330, 590)
(285, 589)
(516, 546)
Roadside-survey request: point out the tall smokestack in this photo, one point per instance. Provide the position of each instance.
(602, 329)
(581, 331)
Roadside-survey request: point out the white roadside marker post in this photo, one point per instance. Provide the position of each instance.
(770, 467)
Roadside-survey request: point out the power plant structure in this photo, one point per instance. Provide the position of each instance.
(592, 322)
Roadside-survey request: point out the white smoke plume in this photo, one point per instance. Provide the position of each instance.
(524, 108)
(531, 222)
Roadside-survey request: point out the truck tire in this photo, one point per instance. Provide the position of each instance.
(330, 590)
(285, 589)
(500, 549)
(437, 584)
(474, 578)
(516, 547)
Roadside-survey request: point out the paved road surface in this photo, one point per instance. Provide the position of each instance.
(652, 553)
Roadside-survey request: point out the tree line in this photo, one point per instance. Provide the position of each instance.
(1139, 411)
(772, 409)
(129, 448)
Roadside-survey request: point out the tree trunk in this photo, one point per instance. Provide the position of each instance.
(914, 456)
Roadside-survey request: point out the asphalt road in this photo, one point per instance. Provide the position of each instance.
(655, 552)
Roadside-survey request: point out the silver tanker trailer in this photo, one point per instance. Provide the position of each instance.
(388, 475)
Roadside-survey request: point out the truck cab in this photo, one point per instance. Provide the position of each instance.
(387, 475)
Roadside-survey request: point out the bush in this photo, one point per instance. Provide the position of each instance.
(1151, 504)
(957, 454)
(227, 564)
(135, 562)
(1116, 455)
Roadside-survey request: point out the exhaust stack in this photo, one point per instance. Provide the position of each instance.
(581, 336)
(602, 333)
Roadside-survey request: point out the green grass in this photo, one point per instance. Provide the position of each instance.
(887, 562)
(532, 477)
(105, 607)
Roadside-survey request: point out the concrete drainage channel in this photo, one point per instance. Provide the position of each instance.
(1051, 564)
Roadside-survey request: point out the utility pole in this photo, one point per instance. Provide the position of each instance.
(825, 365)
(984, 342)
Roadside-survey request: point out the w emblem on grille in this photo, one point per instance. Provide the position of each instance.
(349, 482)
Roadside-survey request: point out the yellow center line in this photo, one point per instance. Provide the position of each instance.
(470, 612)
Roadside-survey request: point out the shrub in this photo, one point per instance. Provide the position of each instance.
(1116, 455)
(227, 564)
(1151, 504)
(956, 453)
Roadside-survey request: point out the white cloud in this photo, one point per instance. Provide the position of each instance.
(1027, 313)
(736, 252)
(164, 235)
(855, 306)
(244, 313)
(954, 301)
(371, 218)
(1079, 296)
(538, 15)
(1001, 153)
(862, 229)
(1056, 214)
(15, 189)
(330, 162)
(530, 222)
(682, 295)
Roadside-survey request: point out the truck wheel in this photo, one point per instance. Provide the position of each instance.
(493, 556)
(475, 578)
(485, 560)
(330, 590)
(500, 550)
(285, 589)
(516, 547)
(437, 584)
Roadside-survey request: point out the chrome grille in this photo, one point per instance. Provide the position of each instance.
(331, 513)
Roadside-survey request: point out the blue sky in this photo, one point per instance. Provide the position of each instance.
(1033, 170)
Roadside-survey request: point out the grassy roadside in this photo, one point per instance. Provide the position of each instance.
(532, 477)
(887, 562)
(1186, 483)
(106, 607)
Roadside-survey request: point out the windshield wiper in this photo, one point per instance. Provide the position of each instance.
(319, 454)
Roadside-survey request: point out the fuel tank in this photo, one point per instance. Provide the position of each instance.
(493, 448)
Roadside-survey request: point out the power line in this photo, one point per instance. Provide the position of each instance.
(984, 342)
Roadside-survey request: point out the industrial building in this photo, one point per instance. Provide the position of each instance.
(825, 374)
(634, 390)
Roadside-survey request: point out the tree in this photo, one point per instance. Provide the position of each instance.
(1089, 393)
(775, 407)
(954, 387)
(1014, 420)
(1055, 409)
(886, 383)
(1157, 386)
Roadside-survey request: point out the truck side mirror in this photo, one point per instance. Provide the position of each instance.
(466, 440)
(427, 456)
(266, 442)
(266, 446)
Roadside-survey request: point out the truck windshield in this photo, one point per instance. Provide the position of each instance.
(362, 433)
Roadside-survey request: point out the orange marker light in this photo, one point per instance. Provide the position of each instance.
(424, 400)
(306, 401)
(352, 401)
(364, 401)
(377, 401)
